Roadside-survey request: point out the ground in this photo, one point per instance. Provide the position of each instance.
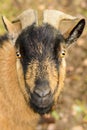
(71, 112)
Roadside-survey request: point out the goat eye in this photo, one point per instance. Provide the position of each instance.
(63, 53)
(18, 55)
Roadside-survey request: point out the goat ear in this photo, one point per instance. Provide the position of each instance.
(75, 32)
(13, 28)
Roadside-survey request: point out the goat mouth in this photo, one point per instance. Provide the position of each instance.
(41, 110)
(37, 106)
(41, 104)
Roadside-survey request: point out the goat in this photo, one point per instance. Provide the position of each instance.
(32, 67)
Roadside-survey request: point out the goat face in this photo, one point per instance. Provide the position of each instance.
(41, 59)
(42, 51)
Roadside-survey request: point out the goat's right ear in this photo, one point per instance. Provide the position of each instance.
(75, 33)
(13, 28)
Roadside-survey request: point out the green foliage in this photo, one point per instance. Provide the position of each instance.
(81, 109)
(55, 115)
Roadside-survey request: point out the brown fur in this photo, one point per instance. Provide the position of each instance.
(50, 72)
(14, 111)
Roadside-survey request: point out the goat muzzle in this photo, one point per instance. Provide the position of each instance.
(41, 98)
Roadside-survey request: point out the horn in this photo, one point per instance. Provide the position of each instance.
(15, 27)
(27, 18)
(54, 17)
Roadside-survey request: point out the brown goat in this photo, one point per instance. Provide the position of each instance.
(32, 69)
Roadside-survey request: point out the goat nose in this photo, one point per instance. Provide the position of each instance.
(42, 88)
(42, 91)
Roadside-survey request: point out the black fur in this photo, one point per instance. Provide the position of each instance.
(3, 38)
(76, 32)
(32, 37)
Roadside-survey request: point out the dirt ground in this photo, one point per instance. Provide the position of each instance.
(71, 113)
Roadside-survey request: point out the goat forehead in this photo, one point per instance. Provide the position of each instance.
(39, 40)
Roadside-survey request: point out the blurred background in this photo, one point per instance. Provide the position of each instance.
(71, 112)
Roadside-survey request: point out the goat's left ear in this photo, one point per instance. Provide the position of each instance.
(75, 32)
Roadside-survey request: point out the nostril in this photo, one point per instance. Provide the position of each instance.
(42, 92)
